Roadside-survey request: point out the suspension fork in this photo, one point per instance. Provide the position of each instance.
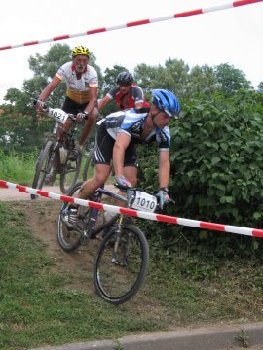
(54, 159)
(118, 231)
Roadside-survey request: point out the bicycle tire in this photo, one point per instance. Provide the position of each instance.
(69, 173)
(116, 283)
(69, 240)
(42, 166)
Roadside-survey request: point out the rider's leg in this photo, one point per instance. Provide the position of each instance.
(78, 147)
(73, 213)
(88, 127)
(100, 176)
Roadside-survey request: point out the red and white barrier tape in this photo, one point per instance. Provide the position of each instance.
(136, 23)
(139, 214)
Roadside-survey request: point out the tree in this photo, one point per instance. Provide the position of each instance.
(260, 87)
(230, 79)
(202, 80)
(173, 76)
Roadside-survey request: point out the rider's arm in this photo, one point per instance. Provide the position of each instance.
(93, 99)
(138, 97)
(102, 103)
(121, 144)
(138, 104)
(49, 89)
(164, 168)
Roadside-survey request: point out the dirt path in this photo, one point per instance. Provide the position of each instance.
(42, 220)
(7, 195)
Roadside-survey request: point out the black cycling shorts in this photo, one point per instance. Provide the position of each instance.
(72, 107)
(103, 149)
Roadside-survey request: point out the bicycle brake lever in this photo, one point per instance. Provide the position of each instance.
(72, 117)
(38, 103)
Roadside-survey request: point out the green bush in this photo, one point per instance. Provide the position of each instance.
(216, 171)
(216, 158)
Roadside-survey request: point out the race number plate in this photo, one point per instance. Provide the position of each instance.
(59, 115)
(144, 201)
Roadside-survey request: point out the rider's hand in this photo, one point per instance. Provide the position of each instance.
(39, 105)
(81, 116)
(122, 181)
(163, 197)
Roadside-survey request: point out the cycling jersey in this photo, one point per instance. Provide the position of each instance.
(129, 122)
(125, 101)
(78, 89)
(132, 123)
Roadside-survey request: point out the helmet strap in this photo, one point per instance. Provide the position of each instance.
(154, 116)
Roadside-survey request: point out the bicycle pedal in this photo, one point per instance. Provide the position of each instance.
(84, 239)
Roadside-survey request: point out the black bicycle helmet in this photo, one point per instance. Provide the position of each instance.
(124, 78)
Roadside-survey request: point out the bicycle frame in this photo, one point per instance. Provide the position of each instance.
(92, 230)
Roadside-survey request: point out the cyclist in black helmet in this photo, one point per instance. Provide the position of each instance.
(81, 93)
(126, 94)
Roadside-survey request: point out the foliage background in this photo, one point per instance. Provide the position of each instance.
(216, 144)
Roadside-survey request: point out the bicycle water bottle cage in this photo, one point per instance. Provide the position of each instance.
(59, 115)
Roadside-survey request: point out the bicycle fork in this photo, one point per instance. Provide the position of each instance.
(52, 160)
(120, 249)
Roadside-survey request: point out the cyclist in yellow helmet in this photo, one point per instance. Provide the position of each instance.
(81, 94)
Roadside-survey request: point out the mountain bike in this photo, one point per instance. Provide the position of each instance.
(57, 156)
(122, 258)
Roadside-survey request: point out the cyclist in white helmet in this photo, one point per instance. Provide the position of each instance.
(81, 94)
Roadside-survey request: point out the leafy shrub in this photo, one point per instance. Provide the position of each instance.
(217, 169)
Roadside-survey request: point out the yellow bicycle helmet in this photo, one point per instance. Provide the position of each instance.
(80, 50)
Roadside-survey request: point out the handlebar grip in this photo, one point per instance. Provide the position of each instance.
(36, 102)
(72, 117)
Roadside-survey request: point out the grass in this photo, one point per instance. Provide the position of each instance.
(20, 168)
(17, 168)
(41, 304)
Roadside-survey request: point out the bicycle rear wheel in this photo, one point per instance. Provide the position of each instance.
(119, 272)
(42, 166)
(69, 173)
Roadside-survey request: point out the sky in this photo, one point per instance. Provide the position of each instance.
(232, 36)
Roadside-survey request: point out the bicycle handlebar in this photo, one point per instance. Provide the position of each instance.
(131, 190)
(58, 114)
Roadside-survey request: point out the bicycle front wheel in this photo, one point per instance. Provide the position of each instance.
(68, 238)
(42, 167)
(121, 265)
(69, 173)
